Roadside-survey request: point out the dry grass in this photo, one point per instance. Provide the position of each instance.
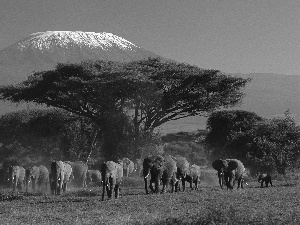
(252, 205)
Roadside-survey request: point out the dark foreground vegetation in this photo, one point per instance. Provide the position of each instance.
(251, 205)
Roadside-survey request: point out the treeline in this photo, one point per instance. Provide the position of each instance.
(38, 136)
(41, 135)
(263, 145)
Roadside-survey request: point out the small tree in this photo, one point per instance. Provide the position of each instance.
(226, 132)
(276, 142)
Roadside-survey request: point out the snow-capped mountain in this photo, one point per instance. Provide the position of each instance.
(43, 50)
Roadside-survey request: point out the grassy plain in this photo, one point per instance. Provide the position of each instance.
(252, 205)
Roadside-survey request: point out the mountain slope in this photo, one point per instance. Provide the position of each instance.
(43, 50)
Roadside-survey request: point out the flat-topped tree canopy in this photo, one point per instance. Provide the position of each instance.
(158, 90)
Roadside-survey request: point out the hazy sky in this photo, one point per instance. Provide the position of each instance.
(230, 35)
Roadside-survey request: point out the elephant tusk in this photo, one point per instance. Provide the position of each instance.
(147, 175)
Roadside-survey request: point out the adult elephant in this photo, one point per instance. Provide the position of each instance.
(93, 176)
(229, 170)
(6, 171)
(182, 170)
(128, 166)
(17, 176)
(193, 176)
(220, 165)
(79, 172)
(112, 174)
(234, 171)
(38, 176)
(159, 169)
(265, 178)
(60, 176)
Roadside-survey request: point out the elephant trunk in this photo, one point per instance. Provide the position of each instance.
(146, 184)
(221, 178)
(105, 181)
(147, 175)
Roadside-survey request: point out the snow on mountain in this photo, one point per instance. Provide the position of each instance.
(52, 39)
(43, 50)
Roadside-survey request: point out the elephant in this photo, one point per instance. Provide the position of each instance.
(128, 166)
(6, 166)
(138, 167)
(60, 176)
(265, 178)
(229, 170)
(112, 174)
(220, 166)
(160, 169)
(193, 176)
(79, 169)
(17, 176)
(38, 175)
(93, 176)
(234, 171)
(182, 170)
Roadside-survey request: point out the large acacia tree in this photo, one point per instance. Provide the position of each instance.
(155, 90)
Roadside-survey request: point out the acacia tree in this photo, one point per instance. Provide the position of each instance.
(104, 91)
(178, 90)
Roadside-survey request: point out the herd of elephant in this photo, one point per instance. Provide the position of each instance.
(168, 170)
(61, 174)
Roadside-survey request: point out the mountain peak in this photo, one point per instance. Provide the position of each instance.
(65, 39)
(43, 50)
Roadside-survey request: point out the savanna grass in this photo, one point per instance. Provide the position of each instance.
(252, 205)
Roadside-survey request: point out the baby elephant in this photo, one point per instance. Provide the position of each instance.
(265, 178)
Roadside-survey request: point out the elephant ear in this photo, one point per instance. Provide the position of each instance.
(219, 164)
(232, 165)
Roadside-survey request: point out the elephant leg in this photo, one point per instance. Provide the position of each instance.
(151, 186)
(66, 187)
(26, 185)
(177, 186)
(117, 191)
(172, 185)
(58, 188)
(267, 184)
(108, 191)
(110, 188)
(146, 185)
(196, 183)
(165, 185)
(14, 183)
(33, 184)
(261, 184)
(21, 186)
(183, 184)
(157, 183)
